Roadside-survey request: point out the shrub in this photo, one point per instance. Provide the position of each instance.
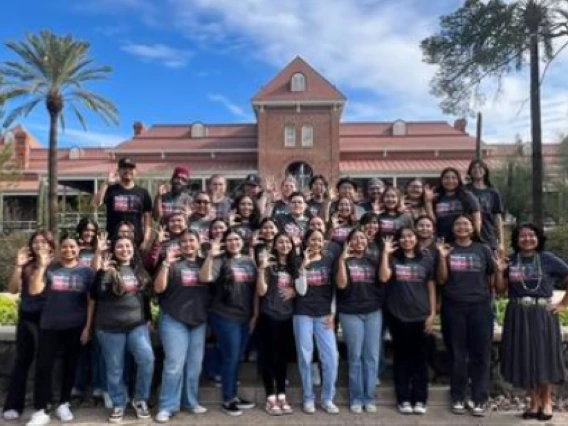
(558, 241)
(8, 310)
(10, 245)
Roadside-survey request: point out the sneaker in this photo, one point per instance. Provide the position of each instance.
(316, 376)
(356, 409)
(141, 409)
(458, 408)
(284, 406)
(420, 408)
(231, 409)
(272, 408)
(330, 408)
(405, 408)
(370, 408)
(198, 409)
(116, 415)
(479, 410)
(10, 415)
(163, 416)
(64, 413)
(309, 407)
(39, 418)
(244, 404)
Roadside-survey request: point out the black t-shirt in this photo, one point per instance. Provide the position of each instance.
(364, 293)
(118, 313)
(317, 300)
(126, 205)
(234, 288)
(391, 223)
(222, 208)
(186, 298)
(30, 303)
(66, 291)
(172, 202)
(447, 208)
(359, 210)
(491, 205)
(538, 272)
(273, 304)
(407, 290)
(245, 230)
(469, 269)
(201, 226)
(279, 207)
(86, 256)
(340, 234)
(294, 227)
(315, 207)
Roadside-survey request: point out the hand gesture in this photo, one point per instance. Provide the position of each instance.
(444, 249)
(44, 257)
(377, 207)
(112, 176)
(308, 254)
(335, 220)
(23, 256)
(501, 263)
(254, 238)
(389, 245)
(102, 242)
(428, 193)
(107, 262)
(171, 255)
(162, 234)
(234, 219)
(346, 253)
(163, 189)
(270, 185)
(429, 324)
(287, 293)
(332, 193)
(263, 260)
(404, 204)
(215, 249)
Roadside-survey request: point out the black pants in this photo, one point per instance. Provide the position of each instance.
(51, 342)
(468, 331)
(274, 339)
(410, 360)
(26, 347)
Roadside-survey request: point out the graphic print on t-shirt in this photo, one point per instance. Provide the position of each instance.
(469, 262)
(167, 208)
(317, 277)
(447, 208)
(518, 273)
(242, 274)
(126, 203)
(130, 283)
(67, 283)
(189, 277)
(293, 230)
(361, 274)
(340, 234)
(284, 280)
(408, 273)
(388, 226)
(86, 259)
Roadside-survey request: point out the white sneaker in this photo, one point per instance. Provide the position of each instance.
(405, 408)
(64, 413)
(198, 409)
(309, 407)
(370, 408)
(39, 418)
(420, 408)
(330, 408)
(356, 409)
(10, 415)
(163, 416)
(316, 376)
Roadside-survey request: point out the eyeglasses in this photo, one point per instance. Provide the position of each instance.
(202, 202)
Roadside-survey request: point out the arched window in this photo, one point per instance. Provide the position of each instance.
(399, 128)
(298, 82)
(302, 172)
(290, 136)
(75, 153)
(307, 135)
(197, 130)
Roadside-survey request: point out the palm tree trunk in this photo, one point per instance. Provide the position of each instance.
(536, 130)
(52, 172)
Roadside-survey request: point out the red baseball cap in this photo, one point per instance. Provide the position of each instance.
(181, 171)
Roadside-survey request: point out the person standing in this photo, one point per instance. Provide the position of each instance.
(126, 201)
(175, 198)
(220, 202)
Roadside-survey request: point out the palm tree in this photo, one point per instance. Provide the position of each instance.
(53, 69)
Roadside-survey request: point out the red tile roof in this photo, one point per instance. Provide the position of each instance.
(421, 128)
(403, 167)
(318, 88)
(405, 143)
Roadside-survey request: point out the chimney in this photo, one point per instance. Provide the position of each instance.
(21, 148)
(139, 128)
(460, 124)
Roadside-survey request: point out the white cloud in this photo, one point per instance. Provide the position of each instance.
(168, 56)
(233, 108)
(77, 137)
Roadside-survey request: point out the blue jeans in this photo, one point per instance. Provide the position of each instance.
(363, 336)
(305, 327)
(114, 346)
(91, 368)
(232, 337)
(183, 356)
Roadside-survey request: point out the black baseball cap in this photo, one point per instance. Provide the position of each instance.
(348, 180)
(252, 180)
(126, 163)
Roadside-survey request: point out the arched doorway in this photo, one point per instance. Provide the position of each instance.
(302, 171)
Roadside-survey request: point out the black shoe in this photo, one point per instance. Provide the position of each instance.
(231, 409)
(244, 404)
(543, 417)
(530, 415)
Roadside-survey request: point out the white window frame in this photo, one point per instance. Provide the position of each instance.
(399, 128)
(198, 130)
(307, 136)
(289, 136)
(298, 82)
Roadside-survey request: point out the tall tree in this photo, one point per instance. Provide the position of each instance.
(490, 39)
(53, 70)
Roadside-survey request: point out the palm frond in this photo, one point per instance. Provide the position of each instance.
(21, 111)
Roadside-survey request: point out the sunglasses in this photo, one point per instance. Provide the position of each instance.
(202, 201)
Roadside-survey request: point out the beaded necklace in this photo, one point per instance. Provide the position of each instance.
(536, 262)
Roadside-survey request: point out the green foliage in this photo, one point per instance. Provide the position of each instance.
(557, 241)
(10, 245)
(501, 307)
(8, 310)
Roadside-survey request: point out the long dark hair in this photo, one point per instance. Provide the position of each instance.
(229, 231)
(291, 264)
(533, 227)
(422, 198)
(399, 254)
(117, 282)
(255, 216)
(482, 163)
(307, 236)
(390, 188)
(212, 223)
(47, 236)
(474, 235)
(83, 223)
(461, 191)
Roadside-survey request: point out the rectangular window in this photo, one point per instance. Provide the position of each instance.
(307, 136)
(290, 136)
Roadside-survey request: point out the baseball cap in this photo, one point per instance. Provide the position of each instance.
(348, 180)
(181, 171)
(126, 162)
(252, 180)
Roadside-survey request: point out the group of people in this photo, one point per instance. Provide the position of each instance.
(295, 267)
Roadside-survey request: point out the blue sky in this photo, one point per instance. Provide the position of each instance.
(181, 61)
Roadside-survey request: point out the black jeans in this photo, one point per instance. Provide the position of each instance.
(468, 330)
(274, 340)
(51, 342)
(26, 348)
(410, 360)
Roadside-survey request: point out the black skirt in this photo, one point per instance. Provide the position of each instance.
(531, 347)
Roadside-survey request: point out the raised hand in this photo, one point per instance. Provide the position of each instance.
(501, 263)
(112, 176)
(444, 249)
(102, 242)
(270, 185)
(332, 193)
(44, 257)
(254, 238)
(287, 293)
(107, 262)
(263, 260)
(23, 256)
(389, 245)
(335, 220)
(215, 249)
(234, 218)
(163, 189)
(346, 253)
(172, 255)
(429, 194)
(377, 207)
(404, 205)
(308, 255)
(162, 234)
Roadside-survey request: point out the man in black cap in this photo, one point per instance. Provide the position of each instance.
(347, 187)
(125, 201)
